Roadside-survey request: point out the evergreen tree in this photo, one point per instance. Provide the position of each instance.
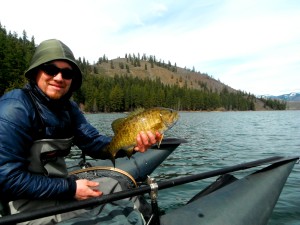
(116, 99)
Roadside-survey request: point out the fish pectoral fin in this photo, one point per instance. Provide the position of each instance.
(159, 142)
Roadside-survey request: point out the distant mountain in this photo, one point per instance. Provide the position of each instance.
(147, 67)
(292, 97)
(167, 73)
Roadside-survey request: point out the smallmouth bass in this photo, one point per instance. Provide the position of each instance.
(126, 129)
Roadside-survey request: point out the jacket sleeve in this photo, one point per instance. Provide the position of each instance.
(87, 137)
(16, 121)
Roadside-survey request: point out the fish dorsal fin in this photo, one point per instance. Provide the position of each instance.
(118, 123)
(135, 112)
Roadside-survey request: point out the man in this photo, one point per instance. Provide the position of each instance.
(38, 126)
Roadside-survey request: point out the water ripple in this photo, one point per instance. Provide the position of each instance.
(216, 140)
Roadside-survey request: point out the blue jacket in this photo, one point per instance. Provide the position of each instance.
(20, 126)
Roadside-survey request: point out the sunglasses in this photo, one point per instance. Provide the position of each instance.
(52, 70)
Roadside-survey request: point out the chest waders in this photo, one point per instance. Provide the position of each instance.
(46, 158)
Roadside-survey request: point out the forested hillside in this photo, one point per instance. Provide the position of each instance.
(124, 84)
(15, 55)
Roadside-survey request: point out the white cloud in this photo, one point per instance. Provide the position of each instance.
(239, 42)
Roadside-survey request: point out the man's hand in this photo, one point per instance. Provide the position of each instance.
(84, 189)
(145, 140)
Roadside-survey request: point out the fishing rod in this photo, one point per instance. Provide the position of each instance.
(48, 211)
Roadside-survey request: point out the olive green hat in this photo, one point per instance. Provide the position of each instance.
(50, 50)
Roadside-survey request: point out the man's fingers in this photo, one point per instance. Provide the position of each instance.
(146, 139)
(151, 138)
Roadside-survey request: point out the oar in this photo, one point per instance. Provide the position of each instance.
(26, 216)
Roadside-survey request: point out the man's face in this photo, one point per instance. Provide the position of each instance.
(51, 83)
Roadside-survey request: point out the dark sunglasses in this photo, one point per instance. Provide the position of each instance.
(52, 70)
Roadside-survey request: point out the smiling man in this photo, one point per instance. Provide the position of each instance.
(55, 79)
(38, 126)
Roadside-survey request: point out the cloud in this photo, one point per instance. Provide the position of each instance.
(238, 42)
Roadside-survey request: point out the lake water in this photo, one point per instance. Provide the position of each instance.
(220, 139)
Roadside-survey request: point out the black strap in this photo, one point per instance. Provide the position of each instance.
(41, 123)
(4, 209)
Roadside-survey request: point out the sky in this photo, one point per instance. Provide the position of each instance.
(250, 45)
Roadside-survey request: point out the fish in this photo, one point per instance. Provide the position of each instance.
(126, 129)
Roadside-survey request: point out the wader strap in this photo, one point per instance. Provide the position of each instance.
(37, 110)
